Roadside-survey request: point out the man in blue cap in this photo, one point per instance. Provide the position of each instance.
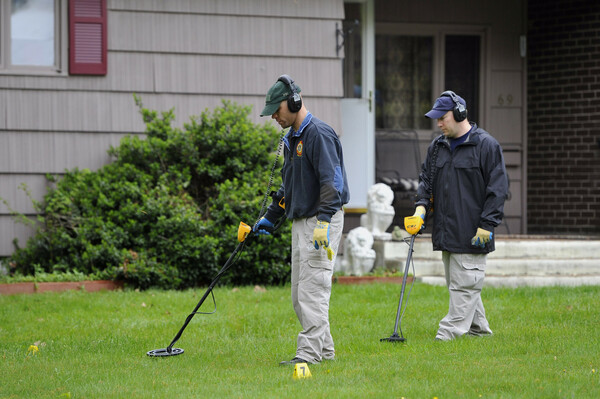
(313, 191)
(463, 184)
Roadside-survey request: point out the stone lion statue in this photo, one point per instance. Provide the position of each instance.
(359, 256)
(380, 212)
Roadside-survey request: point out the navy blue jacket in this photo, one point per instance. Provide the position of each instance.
(313, 175)
(469, 190)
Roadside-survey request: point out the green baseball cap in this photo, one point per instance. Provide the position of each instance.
(276, 94)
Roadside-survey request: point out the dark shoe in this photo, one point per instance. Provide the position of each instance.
(295, 360)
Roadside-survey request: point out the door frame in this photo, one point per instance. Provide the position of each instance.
(358, 197)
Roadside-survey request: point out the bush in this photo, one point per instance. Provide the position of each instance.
(165, 212)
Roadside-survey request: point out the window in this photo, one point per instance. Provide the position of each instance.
(403, 81)
(42, 36)
(32, 32)
(412, 69)
(30, 36)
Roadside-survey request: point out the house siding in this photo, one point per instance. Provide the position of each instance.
(181, 54)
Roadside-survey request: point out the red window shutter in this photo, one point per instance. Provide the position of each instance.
(87, 37)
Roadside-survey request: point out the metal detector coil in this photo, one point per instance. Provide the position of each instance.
(165, 352)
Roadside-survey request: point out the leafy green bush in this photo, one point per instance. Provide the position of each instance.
(165, 212)
(54, 277)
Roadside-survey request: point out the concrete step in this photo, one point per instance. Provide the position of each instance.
(546, 248)
(518, 260)
(520, 247)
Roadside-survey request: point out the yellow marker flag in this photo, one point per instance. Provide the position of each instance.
(301, 370)
(33, 349)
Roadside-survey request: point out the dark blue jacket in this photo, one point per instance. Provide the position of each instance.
(469, 190)
(313, 173)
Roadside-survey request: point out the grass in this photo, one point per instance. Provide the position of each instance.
(93, 345)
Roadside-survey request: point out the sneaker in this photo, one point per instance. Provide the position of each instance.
(295, 360)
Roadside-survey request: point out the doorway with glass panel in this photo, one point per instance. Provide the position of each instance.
(413, 64)
(392, 74)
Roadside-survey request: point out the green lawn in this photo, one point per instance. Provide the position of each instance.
(93, 345)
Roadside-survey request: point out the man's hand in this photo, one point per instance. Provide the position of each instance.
(420, 211)
(263, 226)
(481, 238)
(321, 238)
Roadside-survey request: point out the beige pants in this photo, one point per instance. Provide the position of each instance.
(311, 287)
(464, 279)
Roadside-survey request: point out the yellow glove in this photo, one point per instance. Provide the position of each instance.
(420, 211)
(321, 238)
(481, 238)
(414, 223)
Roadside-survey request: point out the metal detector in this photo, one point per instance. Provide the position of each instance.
(243, 233)
(414, 225)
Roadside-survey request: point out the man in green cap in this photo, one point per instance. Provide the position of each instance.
(314, 190)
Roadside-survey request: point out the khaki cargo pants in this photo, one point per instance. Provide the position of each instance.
(464, 279)
(311, 287)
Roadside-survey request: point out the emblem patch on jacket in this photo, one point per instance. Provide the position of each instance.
(299, 148)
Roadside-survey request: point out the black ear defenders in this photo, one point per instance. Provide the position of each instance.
(294, 101)
(459, 111)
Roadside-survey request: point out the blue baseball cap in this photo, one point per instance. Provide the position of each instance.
(442, 105)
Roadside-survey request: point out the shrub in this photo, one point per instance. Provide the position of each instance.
(165, 212)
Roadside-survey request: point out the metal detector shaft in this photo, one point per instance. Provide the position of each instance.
(395, 337)
(406, 268)
(208, 291)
